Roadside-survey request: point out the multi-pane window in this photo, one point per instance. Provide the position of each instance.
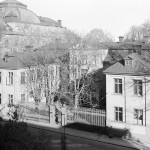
(22, 77)
(0, 98)
(84, 59)
(138, 87)
(128, 62)
(10, 99)
(94, 60)
(22, 98)
(32, 75)
(75, 59)
(138, 116)
(118, 86)
(9, 80)
(0, 77)
(119, 114)
(31, 94)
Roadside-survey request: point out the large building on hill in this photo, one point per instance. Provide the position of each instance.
(23, 29)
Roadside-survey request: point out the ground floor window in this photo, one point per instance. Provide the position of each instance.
(0, 98)
(118, 114)
(138, 116)
(10, 99)
(22, 98)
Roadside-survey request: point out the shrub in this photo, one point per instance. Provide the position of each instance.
(16, 136)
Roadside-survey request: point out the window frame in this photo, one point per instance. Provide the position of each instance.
(0, 98)
(118, 112)
(138, 87)
(118, 87)
(10, 99)
(10, 80)
(0, 77)
(23, 77)
(137, 114)
(84, 60)
(128, 62)
(23, 97)
(93, 62)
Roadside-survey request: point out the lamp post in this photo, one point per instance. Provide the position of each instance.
(63, 133)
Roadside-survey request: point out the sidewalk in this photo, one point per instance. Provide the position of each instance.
(83, 134)
(142, 141)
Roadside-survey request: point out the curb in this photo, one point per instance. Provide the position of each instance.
(138, 145)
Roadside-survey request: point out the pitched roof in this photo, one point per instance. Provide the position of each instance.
(140, 66)
(18, 60)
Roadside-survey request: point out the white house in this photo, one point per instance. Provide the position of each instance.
(85, 60)
(14, 74)
(128, 93)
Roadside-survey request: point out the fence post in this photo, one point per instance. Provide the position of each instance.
(63, 116)
(52, 114)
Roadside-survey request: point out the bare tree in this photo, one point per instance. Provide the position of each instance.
(84, 63)
(96, 37)
(136, 33)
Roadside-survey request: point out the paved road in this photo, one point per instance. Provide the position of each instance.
(77, 143)
(73, 142)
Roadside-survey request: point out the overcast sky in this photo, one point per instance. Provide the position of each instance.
(115, 16)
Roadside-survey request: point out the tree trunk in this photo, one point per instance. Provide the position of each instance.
(49, 114)
(76, 101)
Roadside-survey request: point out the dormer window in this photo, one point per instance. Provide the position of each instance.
(128, 62)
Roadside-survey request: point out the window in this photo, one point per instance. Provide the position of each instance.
(94, 60)
(138, 87)
(84, 59)
(75, 59)
(22, 77)
(10, 99)
(118, 86)
(22, 98)
(138, 116)
(119, 114)
(128, 62)
(10, 78)
(0, 77)
(31, 94)
(32, 75)
(0, 98)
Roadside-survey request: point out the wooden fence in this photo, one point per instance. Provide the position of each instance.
(96, 117)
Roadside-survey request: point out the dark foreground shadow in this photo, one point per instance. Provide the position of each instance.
(109, 131)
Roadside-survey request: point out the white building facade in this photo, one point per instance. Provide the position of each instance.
(15, 86)
(128, 94)
(85, 60)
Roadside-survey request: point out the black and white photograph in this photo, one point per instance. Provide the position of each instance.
(74, 74)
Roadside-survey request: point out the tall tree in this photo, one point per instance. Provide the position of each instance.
(96, 37)
(137, 33)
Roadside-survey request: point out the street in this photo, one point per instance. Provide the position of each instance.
(77, 143)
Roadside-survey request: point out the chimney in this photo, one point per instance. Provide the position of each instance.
(121, 39)
(145, 39)
(59, 23)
